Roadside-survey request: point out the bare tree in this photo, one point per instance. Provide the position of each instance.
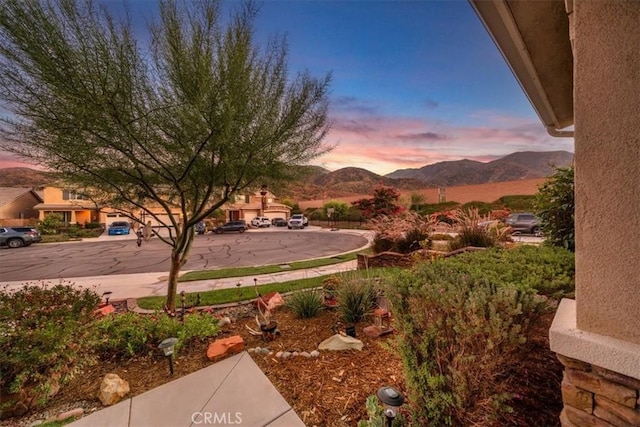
(186, 120)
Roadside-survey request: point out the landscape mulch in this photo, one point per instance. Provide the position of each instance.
(330, 390)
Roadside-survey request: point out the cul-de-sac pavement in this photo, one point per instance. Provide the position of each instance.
(109, 260)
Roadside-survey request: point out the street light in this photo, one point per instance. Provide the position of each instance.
(167, 346)
(392, 400)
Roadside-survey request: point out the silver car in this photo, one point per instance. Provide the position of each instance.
(17, 237)
(524, 223)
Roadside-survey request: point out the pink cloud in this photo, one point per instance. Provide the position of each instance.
(384, 144)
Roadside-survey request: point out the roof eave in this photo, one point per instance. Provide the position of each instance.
(546, 77)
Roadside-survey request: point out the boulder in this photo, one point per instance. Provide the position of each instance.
(269, 301)
(225, 347)
(104, 311)
(340, 342)
(112, 389)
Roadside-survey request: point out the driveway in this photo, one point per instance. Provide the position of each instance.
(111, 255)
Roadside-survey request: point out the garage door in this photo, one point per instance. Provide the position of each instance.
(113, 217)
(161, 221)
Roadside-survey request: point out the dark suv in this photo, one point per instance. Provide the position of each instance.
(239, 225)
(526, 223)
(16, 237)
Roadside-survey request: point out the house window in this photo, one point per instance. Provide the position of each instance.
(72, 195)
(65, 215)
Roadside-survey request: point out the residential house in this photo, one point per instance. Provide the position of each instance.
(76, 208)
(17, 204)
(259, 203)
(578, 63)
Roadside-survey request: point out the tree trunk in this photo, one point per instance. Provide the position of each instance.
(179, 255)
(172, 286)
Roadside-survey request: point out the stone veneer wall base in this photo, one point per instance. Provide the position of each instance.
(601, 379)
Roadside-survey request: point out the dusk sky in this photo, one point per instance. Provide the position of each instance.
(414, 82)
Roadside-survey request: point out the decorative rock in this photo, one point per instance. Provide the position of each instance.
(279, 354)
(112, 389)
(77, 412)
(295, 354)
(258, 349)
(339, 342)
(223, 321)
(305, 354)
(225, 347)
(104, 311)
(251, 350)
(286, 355)
(264, 351)
(315, 353)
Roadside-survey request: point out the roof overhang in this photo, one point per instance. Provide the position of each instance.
(533, 37)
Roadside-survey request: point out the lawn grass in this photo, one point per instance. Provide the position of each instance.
(243, 293)
(265, 269)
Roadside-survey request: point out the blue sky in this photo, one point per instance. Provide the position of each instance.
(414, 82)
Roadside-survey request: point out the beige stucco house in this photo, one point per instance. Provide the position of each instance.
(578, 61)
(75, 208)
(248, 206)
(18, 203)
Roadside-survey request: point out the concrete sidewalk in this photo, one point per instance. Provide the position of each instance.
(233, 391)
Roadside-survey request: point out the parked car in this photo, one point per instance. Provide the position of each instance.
(279, 222)
(524, 223)
(33, 232)
(238, 225)
(297, 221)
(261, 221)
(119, 228)
(11, 237)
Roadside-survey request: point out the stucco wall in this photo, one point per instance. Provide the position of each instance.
(607, 157)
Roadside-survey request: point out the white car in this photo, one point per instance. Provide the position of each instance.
(261, 221)
(297, 221)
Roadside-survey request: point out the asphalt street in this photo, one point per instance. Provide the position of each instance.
(119, 255)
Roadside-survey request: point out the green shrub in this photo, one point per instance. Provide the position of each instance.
(476, 237)
(306, 303)
(555, 206)
(356, 298)
(132, 334)
(517, 203)
(376, 416)
(413, 240)
(73, 230)
(92, 225)
(460, 320)
(483, 208)
(473, 230)
(382, 244)
(45, 335)
(50, 224)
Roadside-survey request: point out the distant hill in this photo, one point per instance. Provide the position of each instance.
(317, 183)
(320, 183)
(516, 166)
(23, 177)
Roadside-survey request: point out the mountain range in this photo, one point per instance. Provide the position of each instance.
(319, 183)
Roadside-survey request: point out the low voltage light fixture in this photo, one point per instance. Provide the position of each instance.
(392, 400)
(168, 346)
